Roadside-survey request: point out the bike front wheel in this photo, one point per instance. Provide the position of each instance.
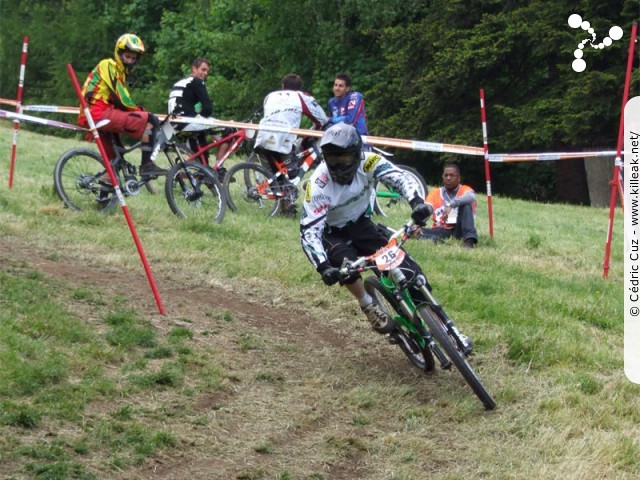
(411, 344)
(166, 159)
(439, 331)
(80, 180)
(388, 200)
(249, 192)
(194, 191)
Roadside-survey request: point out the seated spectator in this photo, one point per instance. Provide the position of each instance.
(454, 209)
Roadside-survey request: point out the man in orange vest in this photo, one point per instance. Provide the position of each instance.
(454, 209)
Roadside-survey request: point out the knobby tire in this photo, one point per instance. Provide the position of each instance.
(418, 356)
(383, 205)
(204, 199)
(240, 187)
(438, 330)
(77, 178)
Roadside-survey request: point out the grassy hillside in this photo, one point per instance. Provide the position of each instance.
(259, 371)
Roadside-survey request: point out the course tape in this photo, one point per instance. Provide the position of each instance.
(42, 121)
(416, 145)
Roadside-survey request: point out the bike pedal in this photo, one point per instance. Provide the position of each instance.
(393, 339)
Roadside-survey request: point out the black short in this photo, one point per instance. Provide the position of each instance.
(362, 237)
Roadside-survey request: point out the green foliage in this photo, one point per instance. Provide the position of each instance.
(419, 64)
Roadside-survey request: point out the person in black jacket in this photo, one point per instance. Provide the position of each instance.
(189, 98)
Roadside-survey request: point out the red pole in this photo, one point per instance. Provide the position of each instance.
(616, 169)
(487, 172)
(114, 180)
(16, 123)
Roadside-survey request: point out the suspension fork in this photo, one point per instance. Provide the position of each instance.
(421, 284)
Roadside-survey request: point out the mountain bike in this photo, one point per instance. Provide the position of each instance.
(387, 199)
(239, 140)
(82, 183)
(251, 187)
(424, 332)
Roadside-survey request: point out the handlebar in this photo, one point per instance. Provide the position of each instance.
(366, 262)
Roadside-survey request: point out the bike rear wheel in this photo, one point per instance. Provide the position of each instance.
(388, 201)
(407, 340)
(193, 191)
(79, 179)
(448, 344)
(248, 190)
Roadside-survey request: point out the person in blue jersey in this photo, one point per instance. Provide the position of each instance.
(347, 106)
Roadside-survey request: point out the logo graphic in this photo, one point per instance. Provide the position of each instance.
(575, 21)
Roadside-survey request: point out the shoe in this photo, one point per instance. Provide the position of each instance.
(222, 172)
(151, 170)
(380, 321)
(469, 244)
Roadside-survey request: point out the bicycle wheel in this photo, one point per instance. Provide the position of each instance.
(249, 192)
(388, 200)
(193, 191)
(78, 181)
(448, 344)
(419, 355)
(167, 159)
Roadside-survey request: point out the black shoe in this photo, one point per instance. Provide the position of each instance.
(151, 170)
(222, 173)
(469, 244)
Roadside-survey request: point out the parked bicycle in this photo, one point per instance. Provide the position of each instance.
(192, 189)
(387, 199)
(239, 140)
(423, 329)
(251, 187)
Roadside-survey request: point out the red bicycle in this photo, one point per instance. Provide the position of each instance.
(237, 138)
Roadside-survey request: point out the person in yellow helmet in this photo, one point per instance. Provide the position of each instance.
(105, 91)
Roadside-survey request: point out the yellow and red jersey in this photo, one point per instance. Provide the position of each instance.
(104, 87)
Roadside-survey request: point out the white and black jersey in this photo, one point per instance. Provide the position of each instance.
(186, 94)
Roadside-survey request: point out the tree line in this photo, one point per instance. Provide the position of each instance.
(420, 65)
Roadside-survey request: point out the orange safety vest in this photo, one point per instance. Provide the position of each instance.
(438, 198)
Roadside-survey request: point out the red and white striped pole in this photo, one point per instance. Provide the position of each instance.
(16, 123)
(615, 182)
(487, 172)
(114, 181)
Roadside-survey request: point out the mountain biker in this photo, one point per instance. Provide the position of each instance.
(336, 221)
(106, 93)
(284, 109)
(189, 98)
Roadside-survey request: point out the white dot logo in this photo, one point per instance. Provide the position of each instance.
(575, 21)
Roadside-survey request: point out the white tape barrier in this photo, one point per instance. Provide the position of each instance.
(415, 145)
(41, 121)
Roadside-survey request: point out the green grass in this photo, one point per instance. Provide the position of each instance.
(260, 371)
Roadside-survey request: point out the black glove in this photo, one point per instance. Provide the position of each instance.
(421, 212)
(330, 275)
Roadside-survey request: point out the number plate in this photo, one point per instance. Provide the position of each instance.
(389, 256)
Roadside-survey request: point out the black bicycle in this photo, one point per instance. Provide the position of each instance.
(423, 329)
(192, 189)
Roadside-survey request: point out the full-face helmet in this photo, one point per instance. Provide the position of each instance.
(341, 147)
(128, 43)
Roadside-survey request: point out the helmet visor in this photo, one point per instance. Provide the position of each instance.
(342, 166)
(339, 161)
